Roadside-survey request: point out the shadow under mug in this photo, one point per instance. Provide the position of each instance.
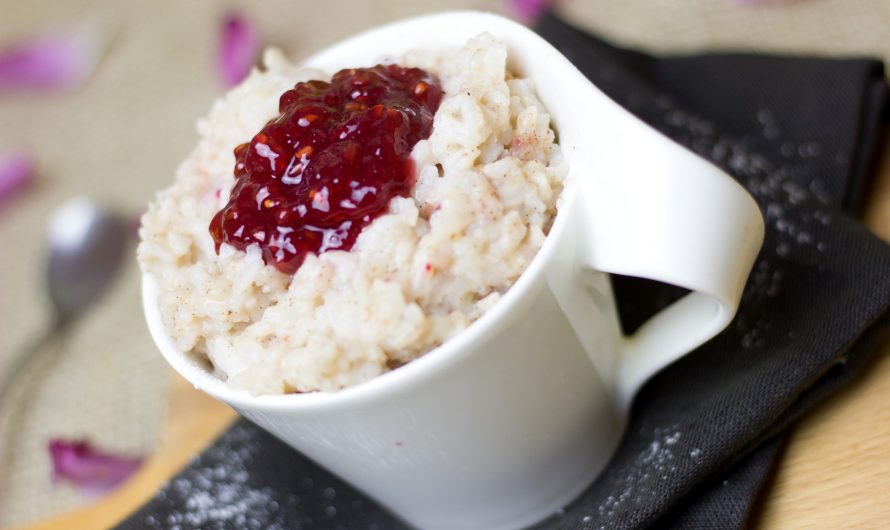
(511, 419)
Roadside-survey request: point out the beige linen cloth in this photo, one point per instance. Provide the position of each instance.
(120, 136)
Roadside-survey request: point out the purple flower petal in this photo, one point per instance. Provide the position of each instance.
(61, 60)
(91, 470)
(528, 11)
(239, 47)
(16, 174)
(135, 225)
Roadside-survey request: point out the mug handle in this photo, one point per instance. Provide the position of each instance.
(655, 210)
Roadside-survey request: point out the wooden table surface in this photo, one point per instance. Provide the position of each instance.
(834, 472)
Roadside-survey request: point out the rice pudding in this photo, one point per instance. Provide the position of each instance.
(482, 195)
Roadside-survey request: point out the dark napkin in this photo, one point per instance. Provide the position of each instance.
(799, 134)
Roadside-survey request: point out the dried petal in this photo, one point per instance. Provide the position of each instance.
(92, 471)
(16, 174)
(135, 225)
(239, 48)
(528, 10)
(61, 60)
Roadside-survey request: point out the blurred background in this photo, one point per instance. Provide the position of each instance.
(111, 120)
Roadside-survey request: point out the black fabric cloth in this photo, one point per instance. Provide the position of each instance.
(799, 133)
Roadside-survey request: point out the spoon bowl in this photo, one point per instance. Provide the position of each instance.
(86, 246)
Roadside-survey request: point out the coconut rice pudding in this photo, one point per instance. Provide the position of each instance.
(294, 311)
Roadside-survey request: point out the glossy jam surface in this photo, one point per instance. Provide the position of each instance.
(315, 176)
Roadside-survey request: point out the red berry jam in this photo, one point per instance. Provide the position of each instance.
(314, 177)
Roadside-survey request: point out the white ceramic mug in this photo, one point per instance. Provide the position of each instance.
(510, 420)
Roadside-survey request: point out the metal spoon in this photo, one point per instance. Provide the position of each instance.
(86, 245)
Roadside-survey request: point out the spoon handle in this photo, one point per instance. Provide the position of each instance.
(33, 351)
